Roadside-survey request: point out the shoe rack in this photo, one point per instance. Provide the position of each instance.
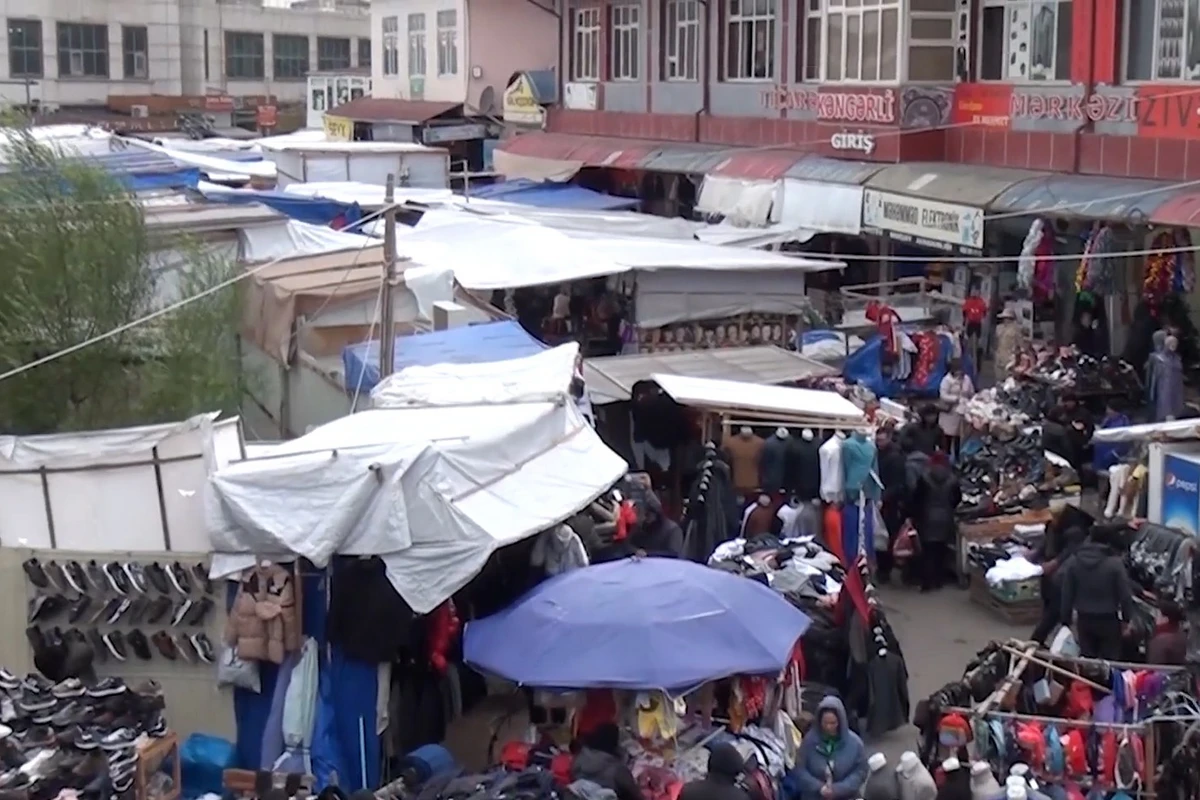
(160, 755)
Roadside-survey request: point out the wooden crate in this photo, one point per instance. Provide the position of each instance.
(986, 529)
(1022, 612)
(151, 759)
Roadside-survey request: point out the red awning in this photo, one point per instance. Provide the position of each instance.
(592, 151)
(1182, 209)
(760, 165)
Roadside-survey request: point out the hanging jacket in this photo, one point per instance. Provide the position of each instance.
(843, 768)
(858, 462)
(770, 464)
(830, 455)
(882, 784)
(802, 468)
(887, 686)
(262, 623)
(745, 453)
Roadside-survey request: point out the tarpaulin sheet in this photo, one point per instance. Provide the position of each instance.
(863, 366)
(314, 210)
(552, 195)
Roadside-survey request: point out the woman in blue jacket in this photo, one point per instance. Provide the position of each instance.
(832, 762)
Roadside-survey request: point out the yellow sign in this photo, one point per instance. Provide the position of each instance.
(338, 129)
(520, 103)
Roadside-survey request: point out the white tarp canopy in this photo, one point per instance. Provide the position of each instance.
(754, 397)
(1180, 430)
(291, 238)
(209, 164)
(433, 484)
(747, 202)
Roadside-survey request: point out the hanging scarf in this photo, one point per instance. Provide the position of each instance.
(1097, 264)
(1026, 261)
(1160, 270)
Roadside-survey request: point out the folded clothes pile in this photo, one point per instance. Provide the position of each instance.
(72, 736)
(994, 410)
(105, 607)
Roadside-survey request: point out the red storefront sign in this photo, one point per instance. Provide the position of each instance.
(984, 104)
(1168, 112)
(871, 107)
(1075, 108)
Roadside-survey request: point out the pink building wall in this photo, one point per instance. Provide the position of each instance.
(508, 36)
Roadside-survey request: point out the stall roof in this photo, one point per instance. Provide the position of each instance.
(756, 399)
(966, 184)
(1088, 196)
(611, 379)
(757, 165)
(1179, 430)
(686, 159)
(552, 195)
(591, 151)
(832, 170)
(389, 109)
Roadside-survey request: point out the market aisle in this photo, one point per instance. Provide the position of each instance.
(939, 632)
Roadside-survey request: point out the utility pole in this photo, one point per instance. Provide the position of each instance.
(387, 328)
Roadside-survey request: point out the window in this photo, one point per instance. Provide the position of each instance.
(364, 52)
(133, 52)
(933, 37)
(206, 61)
(244, 56)
(625, 58)
(447, 42)
(1163, 42)
(24, 48)
(333, 54)
(416, 45)
(585, 45)
(391, 46)
(810, 65)
(862, 43)
(681, 28)
(750, 40)
(82, 50)
(1026, 40)
(289, 57)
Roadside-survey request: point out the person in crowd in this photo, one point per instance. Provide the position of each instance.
(956, 387)
(893, 474)
(832, 761)
(1087, 338)
(1168, 645)
(924, 435)
(725, 766)
(934, 501)
(1097, 595)
(600, 761)
(1164, 378)
(1108, 454)
(1009, 341)
(1052, 574)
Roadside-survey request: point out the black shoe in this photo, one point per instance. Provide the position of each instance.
(115, 642)
(32, 700)
(105, 611)
(45, 607)
(75, 577)
(185, 607)
(106, 688)
(203, 647)
(117, 578)
(137, 576)
(35, 573)
(68, 689)
(55, 576)
(120, 739)
(178, 576)
(159, 608)
(99, 648)
(137, 609)
(198, 612)
(157, 577)
(78, 607)
(96, 577)
(120, 611)
(139, 644)
(200, 570)
(8, 681)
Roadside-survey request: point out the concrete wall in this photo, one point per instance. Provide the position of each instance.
(443, 88)
(495, 27)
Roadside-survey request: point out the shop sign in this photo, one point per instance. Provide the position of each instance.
(1166, 112)
(924, 221)
(338, 129)
(454, 133)
(859, 142)
(520, 104)
(1181, 494)
(1074, 108)
(876, 108)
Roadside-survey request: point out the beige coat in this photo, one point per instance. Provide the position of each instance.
(1009, 339)
(262, 624)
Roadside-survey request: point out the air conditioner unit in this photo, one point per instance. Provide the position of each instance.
(139, 111)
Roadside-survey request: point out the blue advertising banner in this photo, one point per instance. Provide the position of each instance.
(1181, 494)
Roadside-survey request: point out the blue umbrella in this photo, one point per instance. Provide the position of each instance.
(651, 623)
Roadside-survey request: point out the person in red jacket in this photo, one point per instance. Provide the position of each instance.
(975, 310)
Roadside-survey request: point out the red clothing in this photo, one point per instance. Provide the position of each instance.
(975, 310)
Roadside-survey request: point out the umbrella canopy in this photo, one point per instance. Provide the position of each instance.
(651, 623)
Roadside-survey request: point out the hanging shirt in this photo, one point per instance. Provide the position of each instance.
(831, 471)
(859, 460)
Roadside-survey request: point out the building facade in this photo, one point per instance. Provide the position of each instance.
(64, 54)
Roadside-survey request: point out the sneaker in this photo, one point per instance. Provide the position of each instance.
(44, 607)
(36, 575)
(120, 739)
(139, 644)
(8, 681)
(182, 611)
(44, 715)
(74, 576)
(32, 700)
(71, 687)
(148, 688)
(107, 687)
(203, 647)
(115, 642)
(68, 715)
(105, 611)
(96, 577)
(178, 576)
(184, 646)
(157, 727)
(121, 760)
(137, 576)
(117, 578)
(157, 577)
(198, 612)
(36, 683)
(86, 739)
(78, 607)
(137, 609)
(119, 611)
(159, 607)
(200, 571)
(166, 648)
(55, 576)
(97, 642)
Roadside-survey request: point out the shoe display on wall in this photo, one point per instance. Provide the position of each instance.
(115, 642)
(75, 577)
(184, 646)
(178, 576)
(96, 577)
(198, 613)
(105, 611)
(120, 611)
(200, 570)
(139, 644)
(55, 577)
(181, 612)
(203, 647)
(117, 579)
(157, 577)
(137, 576)
(138, 606)
(159, 608)
(35, 574)
(78, 607)
(163, 644)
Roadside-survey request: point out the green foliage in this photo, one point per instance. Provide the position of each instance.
(76, 262)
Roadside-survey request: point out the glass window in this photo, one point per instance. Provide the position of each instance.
(82, 50)
(333, 53)
(364, 52)
(1026, 40)
(447, 42)
(681, 53)
(289, 56)
(25, 48)
(862, 41)
(416, 45)
(749, 40)
(391, 46)
(245, 58)
(626, 42)
(134, 51)
(585, 45)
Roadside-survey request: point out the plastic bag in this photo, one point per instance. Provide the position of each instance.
(233, 670)
(906, 544)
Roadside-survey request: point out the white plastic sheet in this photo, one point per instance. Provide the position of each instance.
(748, 202)
(1180, 430)
(290, 239)
(711, 392)
(821, 206)
(211, 164)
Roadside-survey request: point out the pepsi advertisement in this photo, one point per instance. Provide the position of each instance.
(1181, 494)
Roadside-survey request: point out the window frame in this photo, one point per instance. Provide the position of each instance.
(447, 43)
(749, 21)
(682, 38)
(281, 64)
(99, 52)
(587, 25)
(24, 50)
(813, 18)
(1126, 13)
(364, 49)
(1007, 5)
(129, 53)
(846, 12)
(625, 42)
(417, 49)
(335, 62)
(259, 58)
(389, 45)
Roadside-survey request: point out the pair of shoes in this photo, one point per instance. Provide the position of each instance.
(194, 647)
(56, 577)
(192, 612)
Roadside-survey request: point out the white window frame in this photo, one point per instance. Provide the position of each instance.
(682, 31)
(1011, 7)
(846, 12)
(1156, 45)
(390, 45)
(447, 43)
(749, 18)
(814, 23)
(586, 30)
(418, 59)
(625, 41)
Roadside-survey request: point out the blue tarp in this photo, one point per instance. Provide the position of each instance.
(144, 170)
(552, 195)
(648, 623)
(313, 210)
(474, 344)
(863, 366)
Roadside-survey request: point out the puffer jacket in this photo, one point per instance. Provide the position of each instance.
(262, 624)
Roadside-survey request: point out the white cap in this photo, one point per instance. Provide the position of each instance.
(950, 764)
(980, 767)
(1016, 791)
(764, 500)
(877, 762)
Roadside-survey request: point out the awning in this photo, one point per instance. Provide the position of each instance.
(383, 109)
(742, 201)
(1179, 430)
(1087, 196)
(611, 379)
(591, 151)
(753, 164)
(962, 184)
(552, 195)
(821, 207)
(1183, 209)
(832, 170)
(686, 159)
(772, 402)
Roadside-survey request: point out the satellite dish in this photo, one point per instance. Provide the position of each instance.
(487, 100)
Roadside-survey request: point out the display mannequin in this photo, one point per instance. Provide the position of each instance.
(802, 466)
(758, 518)
(882, 783)
(832, 480)
(984, 785)
(859, 461)
(956, 781)
(915, 781)
(744, 451)
(1165, 378)
(770, 463)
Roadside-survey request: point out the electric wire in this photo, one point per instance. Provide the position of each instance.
(375, 320)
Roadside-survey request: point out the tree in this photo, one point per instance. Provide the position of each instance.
(76, 263)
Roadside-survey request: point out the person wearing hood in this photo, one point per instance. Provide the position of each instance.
(1096, 593)
(725, 767)
(934, 501)
(832, 762)
(1052, 579)
(600, 762)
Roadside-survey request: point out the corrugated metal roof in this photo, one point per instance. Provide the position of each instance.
(686, 159)
(593, 151)
(832, 170)
(383, 109)
(1183, 210)
(1088, 196)
(610, 379)
(965, 184)
(752, 165)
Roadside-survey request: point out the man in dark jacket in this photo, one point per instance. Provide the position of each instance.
(600, 762)
(923, 436)
(1052, 580)
(1096, 593)
(894, 477)
(936, 497)
(725, 766)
